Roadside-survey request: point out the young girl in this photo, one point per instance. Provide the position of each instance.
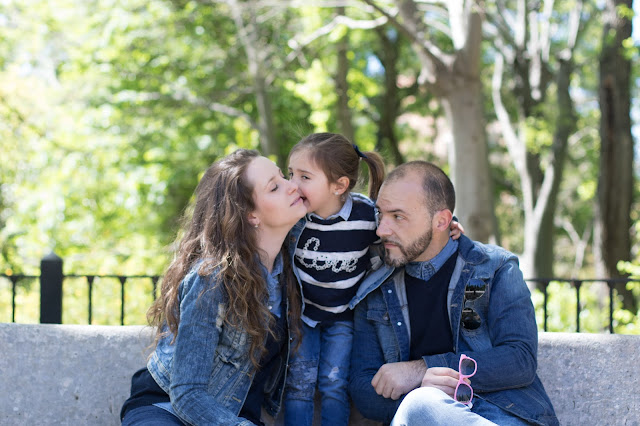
(228, 304)
(331, 256)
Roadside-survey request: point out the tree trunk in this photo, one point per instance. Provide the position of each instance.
(615, 183)
(248, 36)
(538, 256)
(390, 105)
(342, 86)
(455, 80)
(469, 161)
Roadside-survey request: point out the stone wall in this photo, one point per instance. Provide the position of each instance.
(80, 375)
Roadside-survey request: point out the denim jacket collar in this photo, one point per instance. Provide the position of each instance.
(425, 270)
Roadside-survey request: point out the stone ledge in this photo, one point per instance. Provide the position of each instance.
(74, 374)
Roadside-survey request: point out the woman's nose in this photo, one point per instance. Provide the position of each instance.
(293, 187)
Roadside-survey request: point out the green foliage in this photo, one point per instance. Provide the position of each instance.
(110, 111)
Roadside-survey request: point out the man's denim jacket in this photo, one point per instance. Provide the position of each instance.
(504, 346)
(207, 371)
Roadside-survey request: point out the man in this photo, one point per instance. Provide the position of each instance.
(435, 299)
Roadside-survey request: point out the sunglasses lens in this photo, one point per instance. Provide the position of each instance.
(467, 367)
(470, 319)
(463, 393)
(474, 289)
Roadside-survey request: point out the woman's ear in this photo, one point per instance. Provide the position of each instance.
(340, 186)
(253, 220)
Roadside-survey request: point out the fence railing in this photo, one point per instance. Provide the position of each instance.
(51, 281)
(52, 278)
(543, 284)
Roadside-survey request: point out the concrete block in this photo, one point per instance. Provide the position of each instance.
(80, 375)
(67, 374)
(592, 379)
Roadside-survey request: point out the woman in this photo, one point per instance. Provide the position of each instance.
(223, 316)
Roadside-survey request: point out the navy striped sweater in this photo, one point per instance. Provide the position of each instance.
(332, 258)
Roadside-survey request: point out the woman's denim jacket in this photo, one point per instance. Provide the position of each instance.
(207, 371)
(504, 346)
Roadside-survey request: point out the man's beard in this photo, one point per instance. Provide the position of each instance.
(410, 252)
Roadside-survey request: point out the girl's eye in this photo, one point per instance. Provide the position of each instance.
(305, 177)
(275, 188)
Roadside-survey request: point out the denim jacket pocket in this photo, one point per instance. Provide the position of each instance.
(233, 345)
(386, 334)
(378, 316)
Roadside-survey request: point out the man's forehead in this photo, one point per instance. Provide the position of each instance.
(400, 193)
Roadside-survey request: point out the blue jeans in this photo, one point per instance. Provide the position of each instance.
(432, 406)
(322, 360)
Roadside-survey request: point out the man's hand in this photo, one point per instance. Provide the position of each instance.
(398, 378)
(442, 378)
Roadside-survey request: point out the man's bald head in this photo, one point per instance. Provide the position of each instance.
(438, 191)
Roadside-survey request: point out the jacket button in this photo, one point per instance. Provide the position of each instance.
(389, 291)
(399, 323)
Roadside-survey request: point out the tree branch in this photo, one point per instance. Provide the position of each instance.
(298, 45)
(431, 53)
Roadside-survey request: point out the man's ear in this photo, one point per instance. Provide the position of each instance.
(340, 186)
(442, 220)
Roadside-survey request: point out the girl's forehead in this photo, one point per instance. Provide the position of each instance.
(302, 157)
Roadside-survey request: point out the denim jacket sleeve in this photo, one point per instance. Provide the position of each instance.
(510, 360)
(198, 337)
(366, 358)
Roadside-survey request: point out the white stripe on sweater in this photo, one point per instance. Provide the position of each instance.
(339, 285)
(333, 309)
(343, 226)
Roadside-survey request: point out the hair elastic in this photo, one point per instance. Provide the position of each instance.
(360, 154)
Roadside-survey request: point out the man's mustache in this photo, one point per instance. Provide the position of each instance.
(387, 240)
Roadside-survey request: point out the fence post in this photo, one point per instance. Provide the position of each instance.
(51, 289)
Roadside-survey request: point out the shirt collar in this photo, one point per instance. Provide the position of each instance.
(277, 269)
(344, 212)
(427, 269)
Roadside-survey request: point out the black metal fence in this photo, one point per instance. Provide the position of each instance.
(52, 277)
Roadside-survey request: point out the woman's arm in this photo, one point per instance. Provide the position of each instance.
(198, 337)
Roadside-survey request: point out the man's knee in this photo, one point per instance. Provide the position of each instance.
(421, 406)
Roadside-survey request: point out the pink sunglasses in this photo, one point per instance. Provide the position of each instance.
(467, 368)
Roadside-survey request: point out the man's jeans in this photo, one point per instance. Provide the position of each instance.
(322, 359)
(431, 406)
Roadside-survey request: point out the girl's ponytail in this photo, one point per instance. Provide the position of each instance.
(376, 172)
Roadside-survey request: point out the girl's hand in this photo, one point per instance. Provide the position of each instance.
(455, 230)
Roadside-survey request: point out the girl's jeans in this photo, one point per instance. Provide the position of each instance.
(322, 360)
